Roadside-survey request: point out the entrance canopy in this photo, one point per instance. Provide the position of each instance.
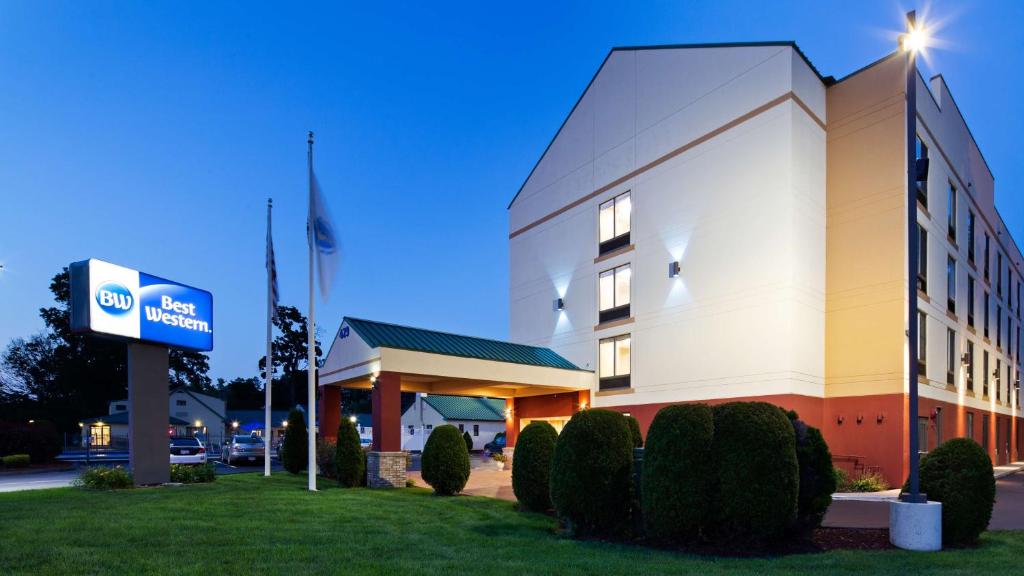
(442, 363)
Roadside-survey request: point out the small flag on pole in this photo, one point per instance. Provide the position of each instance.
(323, 237)
(272, 270)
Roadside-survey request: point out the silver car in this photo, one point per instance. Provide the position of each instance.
(243, 449)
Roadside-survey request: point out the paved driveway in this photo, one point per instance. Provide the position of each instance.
(36, 480)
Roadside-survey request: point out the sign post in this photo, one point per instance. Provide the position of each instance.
(151, 314)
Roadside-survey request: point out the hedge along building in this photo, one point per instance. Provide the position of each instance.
(721, 222)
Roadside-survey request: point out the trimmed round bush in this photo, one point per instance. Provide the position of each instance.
(349, 463)
(295, 450)
(445, 461)
(15, 460)
(634, 432)
(531, 476)
(817, 476)
(468, 440)
(756, 473)
(678, 472)
(959, 474)
(591, 485)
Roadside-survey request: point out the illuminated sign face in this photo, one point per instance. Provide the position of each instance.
(110, 300)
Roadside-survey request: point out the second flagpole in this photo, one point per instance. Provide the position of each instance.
(269, 365)
(310, 334)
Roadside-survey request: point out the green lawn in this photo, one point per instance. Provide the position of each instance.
(245, 524)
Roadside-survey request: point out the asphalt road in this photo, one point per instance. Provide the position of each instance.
(60, 479)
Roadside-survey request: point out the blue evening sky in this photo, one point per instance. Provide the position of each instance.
(150, 134)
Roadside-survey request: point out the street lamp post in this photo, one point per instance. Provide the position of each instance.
(911, 42)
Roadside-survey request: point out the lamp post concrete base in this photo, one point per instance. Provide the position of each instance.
(916, 526)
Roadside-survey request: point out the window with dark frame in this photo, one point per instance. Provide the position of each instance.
(922, 185)
(999, 327)
(922, 343)
(985, 266)
(984, 374)
(970, 235)
(951, 212)
(614, 223)
(985, 315)
(950, 356)
(969, 369)
(922, 259)
(614, 293)
(970, 300)
(476, 429)
(970, 425)
(999, 274)
(179, 402)
(951, 284)
(614, 362)
(996, 378)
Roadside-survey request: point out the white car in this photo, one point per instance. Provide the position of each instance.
(187, 451)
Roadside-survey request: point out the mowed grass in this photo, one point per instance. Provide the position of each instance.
(246, 524)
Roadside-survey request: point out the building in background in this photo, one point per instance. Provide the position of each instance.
(482, 418)
(189, 414)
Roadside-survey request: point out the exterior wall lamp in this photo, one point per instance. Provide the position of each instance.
(673, 269)
(558, 305)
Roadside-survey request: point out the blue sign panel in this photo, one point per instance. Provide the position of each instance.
(111, 300)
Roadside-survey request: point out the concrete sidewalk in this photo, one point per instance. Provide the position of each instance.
(887, 495)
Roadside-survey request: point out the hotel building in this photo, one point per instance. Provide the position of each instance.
(721, 222)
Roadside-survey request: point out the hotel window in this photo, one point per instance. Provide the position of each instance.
(986, 256)
(999, 274)
(922, 259)
(922, 343)
(614, 217)
(950, 356)
(1009, 385)
(922, 185)
(951, 284)
(613, 289)
(951, 213)
(999, 327)
(970, 235)
(969, 369)
(970, 300)
(476, 429)
(995, 378)
(984, 374)
(985, 314)
(1018, 299)
(970, 425)
(614, 362)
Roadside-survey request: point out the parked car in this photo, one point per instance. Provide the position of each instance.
(187, 450)
(243, 448)
(497, 445)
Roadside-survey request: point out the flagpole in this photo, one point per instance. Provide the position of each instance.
(311, 340)
(269, 366)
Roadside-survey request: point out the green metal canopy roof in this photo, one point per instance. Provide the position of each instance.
(466, 408)
(377, 334)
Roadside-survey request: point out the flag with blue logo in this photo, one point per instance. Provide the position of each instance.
(324, 240)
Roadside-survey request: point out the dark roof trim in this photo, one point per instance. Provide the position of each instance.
(784, 43)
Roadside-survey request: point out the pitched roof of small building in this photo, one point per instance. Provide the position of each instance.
(467, 408)
(121, 418)
(377, 334)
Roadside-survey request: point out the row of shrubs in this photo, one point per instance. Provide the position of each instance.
(119, 477)
(15, 461)
(39, 439)
(737, 473)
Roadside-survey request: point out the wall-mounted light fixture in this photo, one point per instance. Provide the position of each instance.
(860, 418)
(583, 405)
(673, 269)
(558, 305)
(840, 419)
(508, 413)
(880, 417)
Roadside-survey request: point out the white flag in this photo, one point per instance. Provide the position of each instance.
(324, 240)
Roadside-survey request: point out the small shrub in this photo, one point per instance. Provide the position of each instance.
(468, 440)
(499, 457)
(445, 461)
(959, 474)
(531, 476)
(326, 450)
(817, 479)
(678, 472)
(349, 458)
(16, 460)
(634, 432)
(103, 478)
(591, 474)
(295, 451)
(757, 475)
(193, 473)
(842, 479)
(410, 483)
(867, 482)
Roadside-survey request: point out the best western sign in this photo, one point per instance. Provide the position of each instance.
(110, 300)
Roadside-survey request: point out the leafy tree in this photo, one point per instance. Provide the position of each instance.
(290, 358)
(241, 393)
(67, 377)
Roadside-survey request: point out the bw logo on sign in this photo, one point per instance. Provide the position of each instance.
(114, 298)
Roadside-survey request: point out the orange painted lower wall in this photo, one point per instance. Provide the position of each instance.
(871, 430)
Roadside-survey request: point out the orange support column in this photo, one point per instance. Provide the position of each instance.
(583, 401)
(386, 399)
(330, 412)
(511, 423)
